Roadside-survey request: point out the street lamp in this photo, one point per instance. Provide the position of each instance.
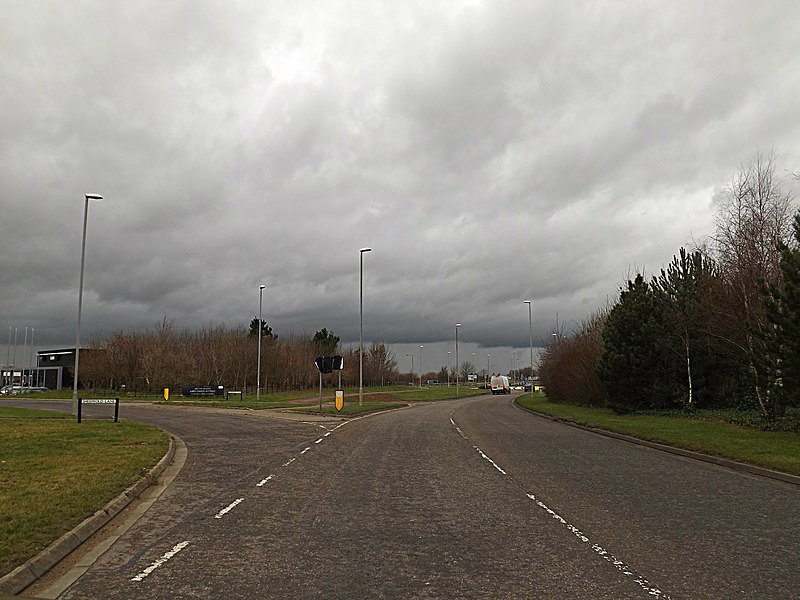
(420, 366)
(361, 325)
(457, 326)
(487, 368)
(87, 197)
(530, 339)
(448, 368)
(411, 379)
(258, 374)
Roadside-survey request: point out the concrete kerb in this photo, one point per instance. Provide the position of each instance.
(27, 573)
(724, 462)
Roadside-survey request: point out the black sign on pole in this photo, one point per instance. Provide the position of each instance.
(328, 364)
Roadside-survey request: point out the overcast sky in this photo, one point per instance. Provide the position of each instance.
(489, 152)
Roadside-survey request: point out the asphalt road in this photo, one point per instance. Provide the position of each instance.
(461, 499)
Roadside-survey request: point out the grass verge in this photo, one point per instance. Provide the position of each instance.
(55, 472)
(775, 450)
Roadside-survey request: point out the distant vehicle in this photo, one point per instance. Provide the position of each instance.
(13, 390)
(500, 385)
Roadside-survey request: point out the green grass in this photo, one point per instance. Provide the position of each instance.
(380, 397)
(777, 450)
(55, 472)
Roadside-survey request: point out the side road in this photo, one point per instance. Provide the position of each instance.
(55, 568)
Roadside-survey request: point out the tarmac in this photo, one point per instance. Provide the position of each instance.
(147, 490)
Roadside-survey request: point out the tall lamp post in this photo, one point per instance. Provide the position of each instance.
(420, 366)
(530, 339)
(457, 326)
(361, 325)
(258, 373)
(448, 368)
(411, 379)
(487, 368)
(87, 197)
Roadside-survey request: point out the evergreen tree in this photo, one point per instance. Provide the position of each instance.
(266, 330)
(633, 363)
(779, 369)
(682, 287)
(326, 342)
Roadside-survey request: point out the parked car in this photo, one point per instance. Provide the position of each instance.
(13, 390)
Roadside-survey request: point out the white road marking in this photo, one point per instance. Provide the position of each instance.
(599, 550)
(494, 464)
(327, 434)
(318, 441)
(291, 460)
(228, 508)
(263, 481)
(618, 564)
(175, 549)
(306, 450)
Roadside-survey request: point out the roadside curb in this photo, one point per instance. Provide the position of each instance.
(27, 573)
(724, 462)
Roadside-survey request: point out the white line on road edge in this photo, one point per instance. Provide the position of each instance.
(291, 460)
(228, 508)
(620, 566)
(175, 549)
(263, 481)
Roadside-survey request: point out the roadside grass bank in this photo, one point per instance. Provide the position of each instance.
(55, 472)
(705, 431)
(378, 395)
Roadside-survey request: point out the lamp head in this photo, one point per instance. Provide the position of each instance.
(93, 196)
(365, 250)
(262, 286)
(526, 301)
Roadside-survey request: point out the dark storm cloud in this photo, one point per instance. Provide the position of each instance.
(488, 152)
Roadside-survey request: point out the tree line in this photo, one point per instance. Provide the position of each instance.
(165, 356)
(718, 327)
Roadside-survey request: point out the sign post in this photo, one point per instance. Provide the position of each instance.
(329, 364)
(114, 401)
(339, 399)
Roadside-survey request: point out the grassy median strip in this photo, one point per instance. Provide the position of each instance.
(777, 450)
(55, 472)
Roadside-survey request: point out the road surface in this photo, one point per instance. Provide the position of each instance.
(471, 498)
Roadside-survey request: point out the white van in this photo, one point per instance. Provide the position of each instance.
(500, 385)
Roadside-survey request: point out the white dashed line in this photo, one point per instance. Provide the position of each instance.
(599, 550)
(618, 564)
(228, 508)
(304, 451)
(290, 461)
(263, 481)
(175, 549)
(319, 440)
(494, 464)
(327, 434)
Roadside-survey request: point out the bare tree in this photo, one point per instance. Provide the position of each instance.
(754, 217)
